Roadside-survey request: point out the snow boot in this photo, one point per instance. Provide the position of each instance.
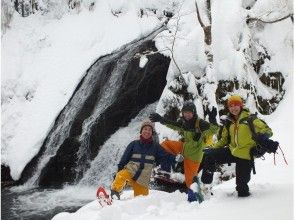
(243, 194)
(195, 193)
(115, 193)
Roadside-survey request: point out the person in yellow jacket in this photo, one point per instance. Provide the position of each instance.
(195, 133)
(235, 145)
(137, 162)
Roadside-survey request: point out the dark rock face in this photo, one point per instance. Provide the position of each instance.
(265, 106)
(6, 179)
(139, 88)
(113, 91)
(5, 173)
(59, 167)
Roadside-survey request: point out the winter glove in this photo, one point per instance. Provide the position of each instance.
(223, 119)
(212, 115)
(265, 142)
(257, 151)
(155, 117)
(179, 158)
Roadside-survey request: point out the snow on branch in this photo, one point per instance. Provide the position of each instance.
(270, 22)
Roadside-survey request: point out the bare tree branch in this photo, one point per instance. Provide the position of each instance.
(171, 50)
(206, 29)
(198, 16)
(248, 20)
(208, 5)
(174, 40)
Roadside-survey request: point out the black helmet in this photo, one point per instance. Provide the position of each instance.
(189, 106)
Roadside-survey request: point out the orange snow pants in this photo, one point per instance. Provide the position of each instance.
(190, 167)
(124, 177)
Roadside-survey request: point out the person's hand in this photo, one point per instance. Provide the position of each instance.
(179, 158)
(155, 117)
(212, 115)
(223, 119)
(264, 141)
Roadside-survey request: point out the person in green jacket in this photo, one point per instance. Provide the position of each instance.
(195, 133)
(235, 145)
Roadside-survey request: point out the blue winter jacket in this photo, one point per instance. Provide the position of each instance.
(139, 159)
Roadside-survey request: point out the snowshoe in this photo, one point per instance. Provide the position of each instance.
(103, 197)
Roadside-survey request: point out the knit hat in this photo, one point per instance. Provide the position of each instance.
(235, 100)
(147, 123)
(189, 107)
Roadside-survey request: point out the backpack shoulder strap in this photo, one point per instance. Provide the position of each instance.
(250, 120)
(227, 125)
(197, 125)
(201, 125)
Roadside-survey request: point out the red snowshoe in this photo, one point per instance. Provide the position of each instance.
(103, 197)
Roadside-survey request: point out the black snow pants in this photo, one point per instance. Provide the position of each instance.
(223, 156)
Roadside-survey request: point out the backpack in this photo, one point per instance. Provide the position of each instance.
(263, 143)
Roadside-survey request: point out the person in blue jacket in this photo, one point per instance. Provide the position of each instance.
(137, 162)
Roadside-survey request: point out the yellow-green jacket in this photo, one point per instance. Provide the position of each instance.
(195, 136)
(241, 140)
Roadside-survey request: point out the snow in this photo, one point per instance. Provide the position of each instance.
(143, 61)
(271, 188)
(43, 60)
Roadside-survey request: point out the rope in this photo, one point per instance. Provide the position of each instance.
(283, 156)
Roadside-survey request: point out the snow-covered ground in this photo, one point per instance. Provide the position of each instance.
(271, 188)
(44, 58)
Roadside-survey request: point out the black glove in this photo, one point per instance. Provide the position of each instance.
(223, 119)
(257, 151)
(265, 142)
(155, 117)
(212, 115)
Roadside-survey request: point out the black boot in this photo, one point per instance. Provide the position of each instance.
(207, 177)
(243, 193)
(115, 193)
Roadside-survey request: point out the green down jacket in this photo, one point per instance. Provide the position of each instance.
(195, 137)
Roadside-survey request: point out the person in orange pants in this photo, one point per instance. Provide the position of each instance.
(137, 162)
(190, 167)
(195, 133)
